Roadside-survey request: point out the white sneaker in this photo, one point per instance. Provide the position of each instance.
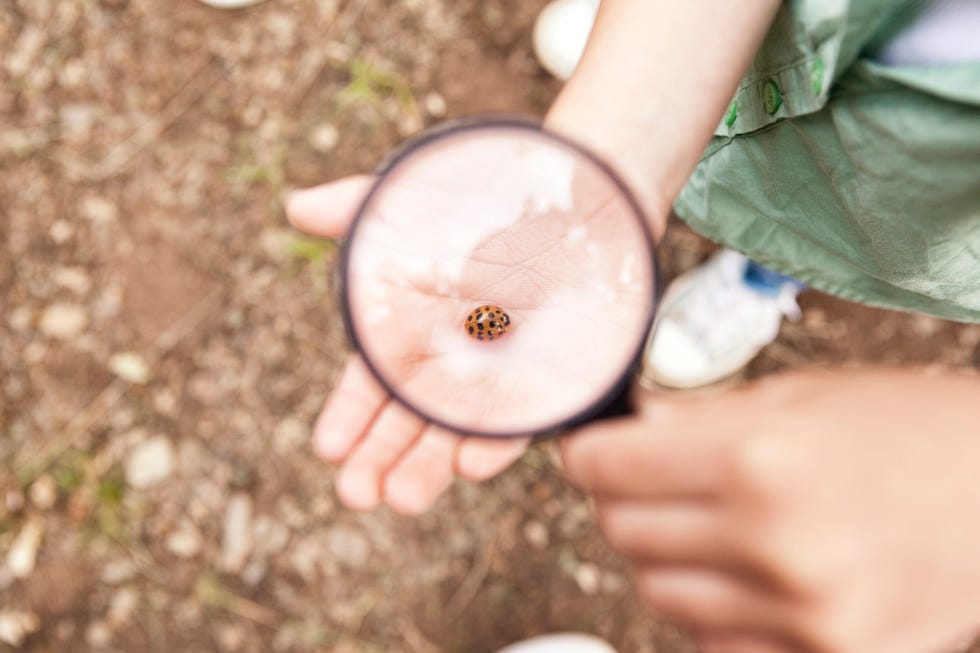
(565, 643)
(231, 4)
(712, 323)
(561, 32)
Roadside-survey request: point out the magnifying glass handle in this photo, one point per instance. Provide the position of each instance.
(619, 404)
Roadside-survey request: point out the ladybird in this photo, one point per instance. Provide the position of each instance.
(487, 322)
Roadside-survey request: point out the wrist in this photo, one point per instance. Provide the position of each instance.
(652, 85)
(615, 142)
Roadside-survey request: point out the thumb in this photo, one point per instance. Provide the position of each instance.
(715, 409)
(328, 210)
(669, 448)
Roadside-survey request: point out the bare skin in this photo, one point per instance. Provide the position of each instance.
(808, 513)
(805, 513)
(566, 269)
(630, 88)
(388, 453)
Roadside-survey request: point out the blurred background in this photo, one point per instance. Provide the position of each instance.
(166, 340)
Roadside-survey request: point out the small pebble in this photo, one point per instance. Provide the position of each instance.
(536, 534)
(44, 492)
(587, 577)
(254, 572)
(63, 321)
(324, 137)
(129, 367)
(185, 542)
(61, 231)
(435, 105)
(98, 634)
(231, 4)
(74, 279)
(99, 209)
(150, 462)
(236, 544)
(121, 607)
(22, 555)
(16, 625)
(118, 571)
(77, 120)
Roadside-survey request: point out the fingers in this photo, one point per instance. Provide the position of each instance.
(348, 413)
(424, 472)
(632, 457)
(479, 460)
(675, 533)
(359, 484)
(711, 600)
(389, 453)
(328, 210)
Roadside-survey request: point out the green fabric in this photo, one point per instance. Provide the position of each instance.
(865, 181)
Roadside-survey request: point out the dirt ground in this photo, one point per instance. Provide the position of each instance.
(166, 340)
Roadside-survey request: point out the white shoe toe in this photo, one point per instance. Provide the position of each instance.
(561, 32)
(564, 643)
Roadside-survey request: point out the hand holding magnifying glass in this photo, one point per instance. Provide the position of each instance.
(481, 213)
(388, 453)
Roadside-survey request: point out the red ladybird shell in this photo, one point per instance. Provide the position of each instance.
(487, 322)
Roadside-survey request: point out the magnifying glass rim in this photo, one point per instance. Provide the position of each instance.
(479, 123)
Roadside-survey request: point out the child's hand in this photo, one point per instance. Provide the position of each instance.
(823, 513)
(388, 454)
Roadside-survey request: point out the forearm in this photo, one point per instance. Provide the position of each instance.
(653, 84)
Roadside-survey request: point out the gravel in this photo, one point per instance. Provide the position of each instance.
(63, 321)
(150, 463)
(348, 546)
(44, 492)
(16, 625)
(185, 542)
(236, 544)
(130, 367)
(22, 555)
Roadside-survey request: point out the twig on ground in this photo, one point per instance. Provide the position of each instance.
(468, 589)
(189, 94)
(98, 408)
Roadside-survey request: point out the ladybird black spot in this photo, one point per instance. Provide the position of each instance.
(480, 326)
(471, 329)
(493, 325)
(479, 336)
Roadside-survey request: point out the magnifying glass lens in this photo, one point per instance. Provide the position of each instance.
(499, 280)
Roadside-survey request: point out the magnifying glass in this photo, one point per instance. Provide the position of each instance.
(500, 280)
